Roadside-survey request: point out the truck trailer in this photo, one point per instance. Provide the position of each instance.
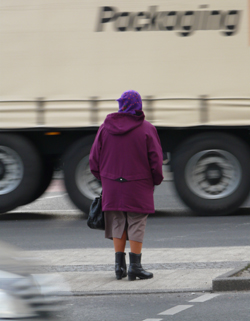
(63, 64)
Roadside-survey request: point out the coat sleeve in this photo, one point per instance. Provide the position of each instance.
(94, 157)
(155, 156)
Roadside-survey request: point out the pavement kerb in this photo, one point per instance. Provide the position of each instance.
(230, 282)
(131, 292)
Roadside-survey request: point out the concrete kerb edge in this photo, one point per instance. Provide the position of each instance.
(131, 292)
(229, 282)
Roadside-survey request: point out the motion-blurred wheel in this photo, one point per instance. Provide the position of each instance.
(47, 171)
(20, 171)
(212, 173)
(81, 185)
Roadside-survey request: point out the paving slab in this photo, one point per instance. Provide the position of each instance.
(156, 255)
(91, 271)
(163, 281)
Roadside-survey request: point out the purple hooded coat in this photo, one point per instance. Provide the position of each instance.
(127, 157)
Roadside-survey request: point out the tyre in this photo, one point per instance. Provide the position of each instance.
(212, 173)
(81, 185)
(20, 171)
(47, 171)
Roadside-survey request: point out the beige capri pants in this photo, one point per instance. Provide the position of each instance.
(134, 224)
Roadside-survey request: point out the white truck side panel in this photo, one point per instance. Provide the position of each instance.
(53, 61)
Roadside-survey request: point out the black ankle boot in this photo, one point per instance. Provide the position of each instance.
(135, 268)
(120, 265)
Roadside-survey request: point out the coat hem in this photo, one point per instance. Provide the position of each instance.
(133, 210)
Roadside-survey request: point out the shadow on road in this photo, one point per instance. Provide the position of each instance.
(188, 213)
(242, 211)
(158, 214)
(37, 216)
(172, 213)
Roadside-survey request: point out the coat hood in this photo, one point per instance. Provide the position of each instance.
(122, 123)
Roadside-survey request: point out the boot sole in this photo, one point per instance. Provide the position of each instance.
(120, 276)
(133, 277)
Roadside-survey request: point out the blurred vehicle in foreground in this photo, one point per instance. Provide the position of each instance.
(64, 63)
(24, 294)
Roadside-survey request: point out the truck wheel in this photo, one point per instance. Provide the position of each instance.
(81, 185)
(20, 170)
(47, 171)
(212, 173)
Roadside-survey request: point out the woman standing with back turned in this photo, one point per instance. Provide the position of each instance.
(127, 157)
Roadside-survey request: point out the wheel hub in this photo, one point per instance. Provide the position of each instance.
(213, 174)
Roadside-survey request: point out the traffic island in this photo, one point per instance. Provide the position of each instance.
(235, 280)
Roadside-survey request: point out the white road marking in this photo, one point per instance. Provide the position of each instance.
(204, 298)
(175, 310)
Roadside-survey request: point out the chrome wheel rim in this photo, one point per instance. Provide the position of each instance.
(86, 182)
(11, 170)
(213, 174)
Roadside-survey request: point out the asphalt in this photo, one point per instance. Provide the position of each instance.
(91, 271)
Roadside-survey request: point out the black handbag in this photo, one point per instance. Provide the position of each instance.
(96, 215)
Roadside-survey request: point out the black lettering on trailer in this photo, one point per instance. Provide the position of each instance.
(153, 18)
(136, 22)
(168, 20)
(187, 23)
(214, 20)
(122, 21)
(230, 22)
(106, 15)
(184, 22)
